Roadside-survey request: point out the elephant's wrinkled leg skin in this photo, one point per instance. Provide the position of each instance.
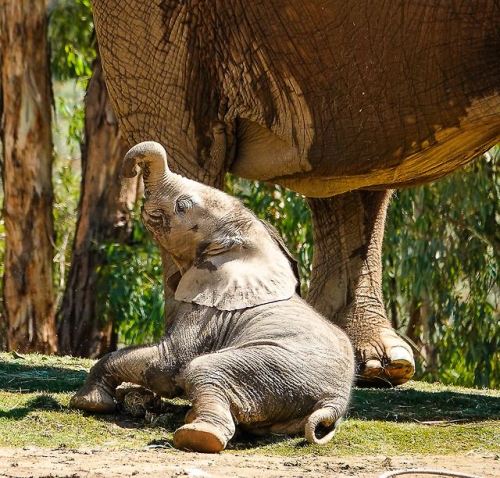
(96, 395)
(209, 424)
(346, 282)
(137, 365)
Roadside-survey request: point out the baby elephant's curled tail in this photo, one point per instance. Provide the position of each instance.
(321, 425)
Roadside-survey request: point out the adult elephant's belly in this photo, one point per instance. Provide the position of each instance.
(320, 163)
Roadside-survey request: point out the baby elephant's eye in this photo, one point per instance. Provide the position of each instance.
(182, 204)
(155, 218)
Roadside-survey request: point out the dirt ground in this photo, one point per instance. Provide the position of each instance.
(83, 463)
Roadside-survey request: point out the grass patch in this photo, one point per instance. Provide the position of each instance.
(417, 418)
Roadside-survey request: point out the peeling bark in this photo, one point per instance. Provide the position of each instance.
(420, 331)
(27, 150)
(3, 321)
(104, 215)
(414, 327)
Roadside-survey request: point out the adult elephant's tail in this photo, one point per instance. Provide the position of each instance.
(322, 424)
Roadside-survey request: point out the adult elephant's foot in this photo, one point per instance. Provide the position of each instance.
(93, 397)
(346, 282)
(383, 358)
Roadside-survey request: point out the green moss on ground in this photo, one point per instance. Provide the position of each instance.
(417, 418)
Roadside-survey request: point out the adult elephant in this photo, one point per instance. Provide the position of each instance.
(337, 100)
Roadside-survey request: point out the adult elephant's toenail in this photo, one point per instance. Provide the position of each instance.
(373, 365)
(401, 354)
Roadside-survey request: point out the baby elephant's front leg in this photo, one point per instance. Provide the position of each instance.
(140, 365)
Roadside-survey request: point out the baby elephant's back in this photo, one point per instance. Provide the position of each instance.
(311, 355)
(294, 369)
(295, 325)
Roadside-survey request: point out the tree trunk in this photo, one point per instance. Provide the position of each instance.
(429, 350)
(414, 327)
(103, 216)
(3, 321)
(27, 173)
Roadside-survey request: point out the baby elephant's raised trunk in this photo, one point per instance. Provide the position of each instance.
(151, 157)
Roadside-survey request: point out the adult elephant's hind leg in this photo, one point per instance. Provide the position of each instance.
(346, 282)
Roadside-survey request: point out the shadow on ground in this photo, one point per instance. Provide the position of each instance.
(23, 377)
(40, 402)
(411, 405)
(403, 404)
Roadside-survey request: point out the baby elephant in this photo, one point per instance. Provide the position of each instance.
(243, 346)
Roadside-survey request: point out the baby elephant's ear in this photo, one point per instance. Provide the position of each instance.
(232, 273)
(279, 240)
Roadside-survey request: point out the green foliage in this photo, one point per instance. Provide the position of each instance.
(66, 183)
(72, 42)
(131, 281)
(66, 175)
(441, 257)
(73, 115)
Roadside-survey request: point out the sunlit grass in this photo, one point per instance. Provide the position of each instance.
(417, 418)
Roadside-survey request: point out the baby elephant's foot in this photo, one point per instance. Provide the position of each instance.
(190, 416)
(93, 398)
(200, 436)
(136, 400)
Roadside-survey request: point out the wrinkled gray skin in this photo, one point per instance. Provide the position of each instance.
(338, 100)
(243, 346)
